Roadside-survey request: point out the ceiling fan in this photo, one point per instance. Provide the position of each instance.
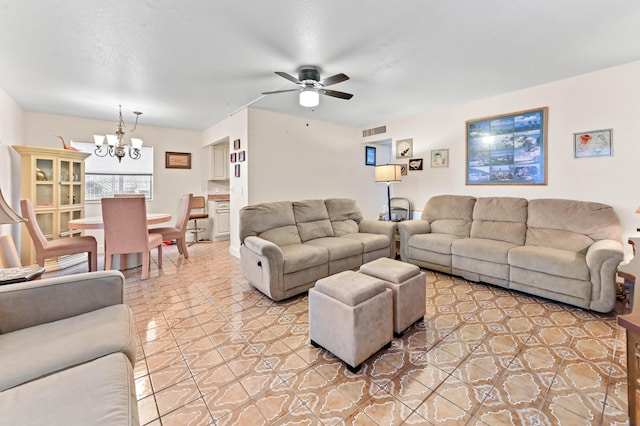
(311, 86)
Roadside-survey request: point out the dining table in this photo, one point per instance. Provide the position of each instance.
(123, 261)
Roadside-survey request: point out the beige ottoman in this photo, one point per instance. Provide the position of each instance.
(408, 286)
(350, 315)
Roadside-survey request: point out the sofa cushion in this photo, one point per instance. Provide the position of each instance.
(439, 243)
(482, 249)
(282, 236)
(256, 219)
(312, 219)
(302, 256)
(449, 214)
(570, 225)
(563, 263)
(101, 392)
(370, 242)
(44, 349)
(500, 218)
(338, 247)
(344, 214)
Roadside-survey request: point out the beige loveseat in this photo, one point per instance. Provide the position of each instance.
(287, 246)
(67, 352)
(563, 250)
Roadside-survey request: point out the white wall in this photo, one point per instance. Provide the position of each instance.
(11, 133)
(230, 129)
(599, 100)
(169, 184)
(295, 158)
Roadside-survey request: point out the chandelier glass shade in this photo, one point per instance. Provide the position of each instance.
(116, 146)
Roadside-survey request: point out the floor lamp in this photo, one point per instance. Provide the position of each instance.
(9, 257)
(388, 174)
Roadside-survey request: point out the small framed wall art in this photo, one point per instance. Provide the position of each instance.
(597, 143)
(236, 144)
(439, 158)
(370, 156)
(415, 164)
(177, 160)
(237, 170)
(241, 156)
(404, 148)
(233, 157)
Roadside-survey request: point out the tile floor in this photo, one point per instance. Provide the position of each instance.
(212, 350)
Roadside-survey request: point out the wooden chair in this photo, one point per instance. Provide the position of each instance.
(125, 231)
(178, 231)
(197, 203)
(60, 246)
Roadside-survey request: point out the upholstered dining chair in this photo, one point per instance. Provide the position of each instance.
(178, 231)
(129, 195)
(60, 246)
(125, 231)
(197, 203)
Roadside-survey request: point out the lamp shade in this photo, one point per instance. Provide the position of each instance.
(7, 215)
(389, 173)
(309, 98)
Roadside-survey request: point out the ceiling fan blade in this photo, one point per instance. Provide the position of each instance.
(336, 94)
(280, 91)
(338, 78)
(288, 77)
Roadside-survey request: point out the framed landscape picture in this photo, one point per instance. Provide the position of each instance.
(508, 149)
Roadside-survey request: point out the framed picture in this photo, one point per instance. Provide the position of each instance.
(236, 144)
(241, 156)
(237, 170)
(403, 169)
(597, 143)
(415, 164)
(508, 149)
(369, 156)
(404, 148)
(177, 160)
(232, 157)
(439, 158)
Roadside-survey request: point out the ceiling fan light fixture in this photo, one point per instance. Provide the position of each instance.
(309, 98)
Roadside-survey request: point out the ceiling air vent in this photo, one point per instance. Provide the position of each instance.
(374, 131)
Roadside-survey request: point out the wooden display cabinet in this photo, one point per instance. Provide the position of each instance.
(53, 179)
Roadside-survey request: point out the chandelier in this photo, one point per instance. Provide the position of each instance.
(115, 146)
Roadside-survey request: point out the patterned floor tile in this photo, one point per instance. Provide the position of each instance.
(211, 349)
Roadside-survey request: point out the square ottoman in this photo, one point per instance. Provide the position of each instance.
(407, 283)
(350, 315)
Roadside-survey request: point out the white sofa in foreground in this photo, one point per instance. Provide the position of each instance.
(67, 351)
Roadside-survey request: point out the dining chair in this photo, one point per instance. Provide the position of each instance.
(125, 231)
(60, 246)
(197, 203)
(129, 195)
(178, 231)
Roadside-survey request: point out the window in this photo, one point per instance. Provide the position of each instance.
(105, 176)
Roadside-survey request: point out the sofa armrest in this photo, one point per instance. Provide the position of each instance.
(381, 227)
(265, 248)
(36, 302)
(603, 258)
(406, 229)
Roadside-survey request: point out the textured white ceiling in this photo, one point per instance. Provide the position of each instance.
(189, 64)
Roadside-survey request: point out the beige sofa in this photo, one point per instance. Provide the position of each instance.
(563, 250)
(287, 246)
(67, 351)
